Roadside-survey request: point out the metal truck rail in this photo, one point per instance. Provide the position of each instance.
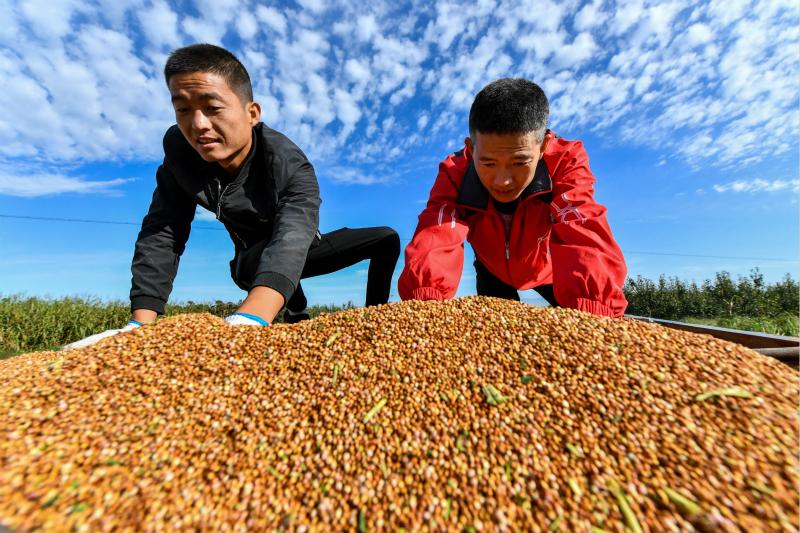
(782, 348)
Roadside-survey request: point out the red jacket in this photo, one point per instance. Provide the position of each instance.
(559, 235)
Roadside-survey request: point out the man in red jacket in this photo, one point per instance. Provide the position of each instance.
(524, 200)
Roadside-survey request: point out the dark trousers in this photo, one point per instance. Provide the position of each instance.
(490, 285)
(345, 247)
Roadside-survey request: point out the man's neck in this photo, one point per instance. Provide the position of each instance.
(234, 167)
(506, 208)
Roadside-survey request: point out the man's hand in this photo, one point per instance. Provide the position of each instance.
(245, 319)
(88, 341)
(263, 302)
(143, 316)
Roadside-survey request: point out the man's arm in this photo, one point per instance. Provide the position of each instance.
(588, 267)
(159, 245)
(434, 259)
(296, 221)
(161, 241)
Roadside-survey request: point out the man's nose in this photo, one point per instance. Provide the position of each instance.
(502, 177)
(200, 121)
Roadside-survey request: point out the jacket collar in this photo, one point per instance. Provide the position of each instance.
(244, 170)
(473, 194)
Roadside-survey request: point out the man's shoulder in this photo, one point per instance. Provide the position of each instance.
(559, 146)
(456, 164)
(564, 157)
(277, 144)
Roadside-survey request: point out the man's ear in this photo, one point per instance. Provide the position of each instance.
(254, 110)
(547, 137)
(468, 142)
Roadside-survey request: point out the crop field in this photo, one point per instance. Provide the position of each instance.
(785, 324)
(29, 324)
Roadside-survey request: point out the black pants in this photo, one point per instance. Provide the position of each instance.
(490, 285)
(345, 247)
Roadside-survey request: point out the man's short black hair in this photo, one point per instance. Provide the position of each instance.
(211, 59)
(510, 105)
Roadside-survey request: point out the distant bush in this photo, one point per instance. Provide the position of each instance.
(673, 299)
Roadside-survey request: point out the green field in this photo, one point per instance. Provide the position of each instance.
(35, 324)
(785, 324)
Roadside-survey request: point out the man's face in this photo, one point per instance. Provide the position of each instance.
(506, 163)
(213, 119)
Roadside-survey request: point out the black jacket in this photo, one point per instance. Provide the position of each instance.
(271, 212)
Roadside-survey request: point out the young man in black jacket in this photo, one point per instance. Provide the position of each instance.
(260, 186)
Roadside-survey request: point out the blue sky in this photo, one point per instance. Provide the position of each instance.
(688, 110)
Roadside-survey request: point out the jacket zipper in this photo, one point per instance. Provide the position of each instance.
(221, 192)
(508, 243)
(219, 200)
(488, 211)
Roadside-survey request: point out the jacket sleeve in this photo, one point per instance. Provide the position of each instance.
(296, 223)
(435, 256)
(161, 241)
(588, 267)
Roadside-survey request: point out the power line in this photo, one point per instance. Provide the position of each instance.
(90, 221)
(627, 252)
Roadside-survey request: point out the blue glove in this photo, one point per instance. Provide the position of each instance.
(245, 319)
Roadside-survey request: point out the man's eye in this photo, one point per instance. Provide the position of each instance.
(488, 164)
(213, 109)
(522, 163)
(181, 109)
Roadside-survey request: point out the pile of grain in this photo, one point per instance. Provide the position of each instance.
(471, 415)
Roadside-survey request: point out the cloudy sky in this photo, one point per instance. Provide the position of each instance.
(688, 110)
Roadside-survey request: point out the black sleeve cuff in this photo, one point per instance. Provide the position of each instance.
(276, 281)
(148, 302)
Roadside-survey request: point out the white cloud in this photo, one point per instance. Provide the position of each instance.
(272, 18)
(758, 185)
(348, 112)
(357, 71)
(9, 26)
(33, 185)
(159, 24)
(307, 53)
(576, 53)
(626, 14)
(590, 16)
(698, 34)
(547, 15)
(711, 83)
(294, 101)
(316, 6)
(658, 22)
(204, 30)
(723, 12)
(213, 23)
(50, 19)
(449, 22)
(366, 27)
(351, 176)
(246, 25)
(254, 60)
